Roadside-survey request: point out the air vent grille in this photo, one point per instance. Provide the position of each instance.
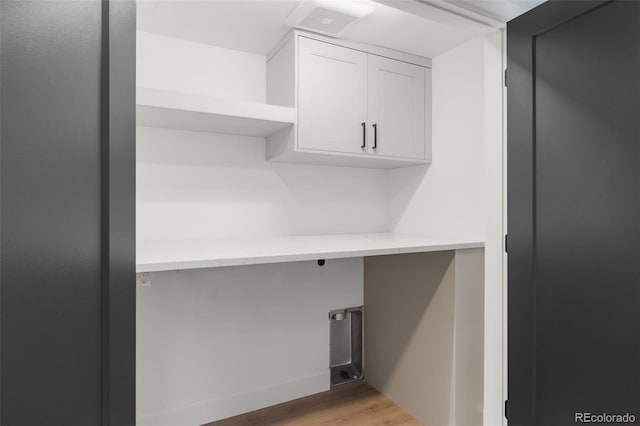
(328, 17)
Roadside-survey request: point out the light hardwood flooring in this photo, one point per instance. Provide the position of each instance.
(356, 404)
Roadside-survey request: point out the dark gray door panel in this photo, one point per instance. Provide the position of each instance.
(574, 212)
(55, 313)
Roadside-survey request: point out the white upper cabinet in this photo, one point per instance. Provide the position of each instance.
(396, 108)
(332, 97)
(357, 105)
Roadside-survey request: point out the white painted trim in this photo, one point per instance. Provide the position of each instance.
(505, 287)
(446, 13)
(279, 45)
(495, 229)
(472, 17)
(221, 407)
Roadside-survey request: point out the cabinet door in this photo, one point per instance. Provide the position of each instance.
(332, 97)
(396, 108)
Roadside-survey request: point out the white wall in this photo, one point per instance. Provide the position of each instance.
(172, 64)
(467, 387)
(462, 193)
(447, 198)
(203, 185)
(219, 342)
(423, 335)
(199, 185)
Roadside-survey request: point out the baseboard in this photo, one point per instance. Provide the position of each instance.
(224, 406)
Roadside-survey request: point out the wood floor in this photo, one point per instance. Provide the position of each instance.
(356, 404)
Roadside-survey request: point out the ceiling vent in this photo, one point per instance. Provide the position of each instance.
(329, 17)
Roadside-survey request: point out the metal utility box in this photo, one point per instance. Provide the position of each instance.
(345, 361)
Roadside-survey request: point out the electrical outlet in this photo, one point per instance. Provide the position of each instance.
(143, 280)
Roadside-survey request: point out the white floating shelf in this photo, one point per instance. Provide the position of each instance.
(194, 254)
(161, 108)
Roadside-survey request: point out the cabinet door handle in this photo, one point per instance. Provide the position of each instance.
(375, 136)
(364, 135)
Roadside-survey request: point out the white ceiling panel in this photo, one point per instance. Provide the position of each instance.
(422, 27)
(247, 25)
(396, 29)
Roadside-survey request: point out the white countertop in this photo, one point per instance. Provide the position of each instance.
(193, 254)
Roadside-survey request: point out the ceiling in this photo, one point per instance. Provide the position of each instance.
(416, 26)
(500, 10)
(246, 25)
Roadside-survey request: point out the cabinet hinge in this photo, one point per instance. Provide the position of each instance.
(506, 241)
(506, 412)
(505, 77)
